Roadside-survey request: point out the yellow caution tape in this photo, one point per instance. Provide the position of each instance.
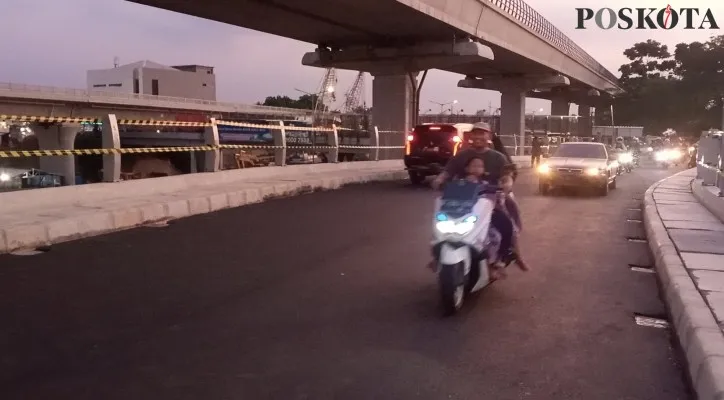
(152, 122)
(27, 118)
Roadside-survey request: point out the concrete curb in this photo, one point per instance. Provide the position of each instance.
(698, 333)
(106, 221)
(712, 202)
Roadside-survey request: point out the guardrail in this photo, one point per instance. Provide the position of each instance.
(529, 17)
(81, 95)
(710, 160)
(259, 144)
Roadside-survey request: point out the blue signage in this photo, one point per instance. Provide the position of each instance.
(230, 133)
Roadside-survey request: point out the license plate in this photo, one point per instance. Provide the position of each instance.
(433, 149)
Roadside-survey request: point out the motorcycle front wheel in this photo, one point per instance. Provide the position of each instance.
(452, 288)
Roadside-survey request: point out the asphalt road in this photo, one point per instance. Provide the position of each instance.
(325, 296)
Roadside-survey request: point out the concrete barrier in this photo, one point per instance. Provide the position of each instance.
(45, 216)
(697, 330)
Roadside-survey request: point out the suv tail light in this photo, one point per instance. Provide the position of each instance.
(410, 138)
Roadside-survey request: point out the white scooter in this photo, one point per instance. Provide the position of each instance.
(463, 242)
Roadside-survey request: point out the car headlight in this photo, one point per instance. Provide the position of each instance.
(661, 156)
(692, 148)
(4, 177)
(461, 228)
(625, 158)
(674, 154)
(544, 169)
(649, 149)
(592, 171)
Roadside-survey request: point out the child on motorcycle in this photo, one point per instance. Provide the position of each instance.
(475, 172)
(510, 208)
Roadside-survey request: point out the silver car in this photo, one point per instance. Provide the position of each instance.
(579, 164)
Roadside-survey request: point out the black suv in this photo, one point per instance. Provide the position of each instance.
(429, 147)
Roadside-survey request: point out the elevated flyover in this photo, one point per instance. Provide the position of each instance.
(501, 45)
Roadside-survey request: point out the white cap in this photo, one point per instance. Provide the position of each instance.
(483, 126)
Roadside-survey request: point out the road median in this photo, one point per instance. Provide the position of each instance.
(42, 217)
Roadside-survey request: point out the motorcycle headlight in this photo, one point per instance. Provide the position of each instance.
(661, 156)
(460, 228)
(544, 169)
(674, 154)
(625, 158)
(4, 177)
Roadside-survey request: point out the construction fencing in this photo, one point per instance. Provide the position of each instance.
(213, 145)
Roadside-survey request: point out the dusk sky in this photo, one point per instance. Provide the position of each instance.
(54, 42)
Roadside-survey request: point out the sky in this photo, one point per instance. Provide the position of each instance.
(54, 42)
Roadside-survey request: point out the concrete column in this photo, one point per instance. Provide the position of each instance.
(512, 116)
(111, 139)
(57, 137)
(211, 158)
(391, 111)
(585, 122)
(560, 106)
(584, 111)
(280, 140)
(333, 140)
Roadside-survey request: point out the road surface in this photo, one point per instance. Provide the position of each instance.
(325, 296)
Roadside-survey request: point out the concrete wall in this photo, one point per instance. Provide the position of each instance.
(177, 83)
(171, 82)
(100, 79)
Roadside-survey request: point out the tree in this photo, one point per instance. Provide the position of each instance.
(700, 67)
(683, 92)
(305, 102)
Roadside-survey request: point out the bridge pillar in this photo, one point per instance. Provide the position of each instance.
(211, 158)
(560, 106)
(57, 137)
(391, 111)
(512, 115)
(585, 122)
(111, 139)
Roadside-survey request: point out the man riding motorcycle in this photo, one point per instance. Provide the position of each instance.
(495, 163)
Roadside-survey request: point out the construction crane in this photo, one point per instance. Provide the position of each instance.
(353, 99)
(354, 95)
(325, 96)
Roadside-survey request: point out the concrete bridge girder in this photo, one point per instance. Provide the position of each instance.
(400, 60)
(591, 98)
(524, 83)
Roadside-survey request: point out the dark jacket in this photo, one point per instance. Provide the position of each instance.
(499, 147)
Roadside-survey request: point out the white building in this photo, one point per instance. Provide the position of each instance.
(147, 77)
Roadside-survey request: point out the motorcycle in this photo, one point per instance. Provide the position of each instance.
(626, 161)
(668, 157)
(463, 241)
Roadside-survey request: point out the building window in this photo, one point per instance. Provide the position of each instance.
(203, 84)
(115, 84)
(154, 87)
(99, 85)
(135, 86)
